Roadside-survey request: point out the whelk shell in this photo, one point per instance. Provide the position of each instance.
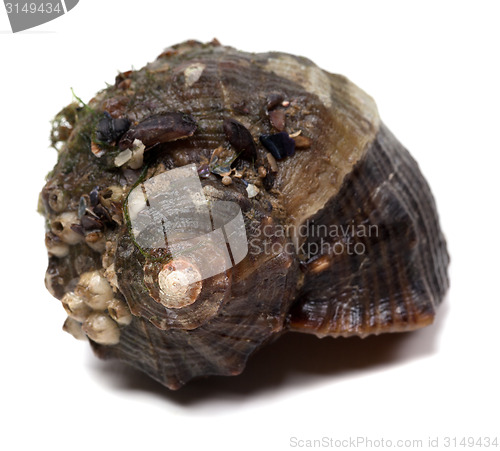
(343, 237)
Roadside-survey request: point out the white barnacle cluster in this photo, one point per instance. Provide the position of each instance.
(94, 311)
(83, 227)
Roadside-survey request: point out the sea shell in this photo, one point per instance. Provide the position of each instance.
(340, 230)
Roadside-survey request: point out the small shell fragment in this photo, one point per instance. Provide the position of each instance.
(137, 154)
(272, 162)
(252, 190)
(96, 150)
(123, 157)
(193, 73)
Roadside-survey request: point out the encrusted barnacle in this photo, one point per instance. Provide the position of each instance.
(101, 329)
(55, 198)
(55, 245)
(74, 328)
(185, 231)
(63, 124)
(95, 290)
(119, 311)
(75, 306)
(61, 226)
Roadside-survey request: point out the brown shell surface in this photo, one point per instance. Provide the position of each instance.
(348, 172)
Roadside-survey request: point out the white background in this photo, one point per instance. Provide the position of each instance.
(432, 67)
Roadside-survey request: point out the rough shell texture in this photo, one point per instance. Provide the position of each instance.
(342, 228)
